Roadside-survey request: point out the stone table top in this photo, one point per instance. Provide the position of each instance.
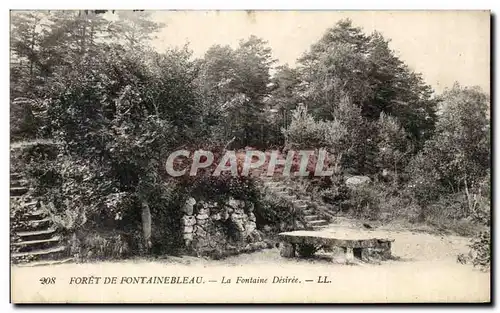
(340, 238)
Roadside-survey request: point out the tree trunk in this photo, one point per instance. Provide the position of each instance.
(146, 224)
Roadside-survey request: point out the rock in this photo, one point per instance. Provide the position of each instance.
(256, 235)
(239, 211)
(357, 181)
(262, 245)
(250, 206)
(236, 217)
(255, 246)
(188, 236)
(225, 215)
(203, 211)
(247, 248)
(188, 229)
(201, 242)
(202, 217)
(251, 217)
(188, 220)
(202, 222)
(268, 244)
(189, 206)
(287, 250)
(216, 217)
(199, 231)
(250, 227)
(233, 203)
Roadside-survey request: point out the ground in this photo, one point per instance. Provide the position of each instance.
(426, 271)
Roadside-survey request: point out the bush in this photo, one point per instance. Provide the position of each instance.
(277, 214)
(92, 245)
(364, 202)
(481, 247)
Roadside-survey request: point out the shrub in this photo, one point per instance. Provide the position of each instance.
(481, 247)
(94, 245)
(364, 202)
(277, 214)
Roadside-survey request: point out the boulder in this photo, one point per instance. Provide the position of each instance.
(250, 206)
(250, 227)
(188, 220)
(199, 231)
(201, 217)
(188, 229)
(189, 206)
(357, 181)
(216, 217)
(251, 217)
(202, 222)
(203, 211)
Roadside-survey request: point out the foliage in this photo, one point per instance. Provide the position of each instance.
(277, 214)
(234, 85)
(458, 156)
(481, 245)
(94, 246)
(117, 109)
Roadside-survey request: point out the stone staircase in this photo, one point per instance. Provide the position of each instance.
(316, 214)
(35, 239)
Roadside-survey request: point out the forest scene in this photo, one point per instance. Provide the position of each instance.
(95, 110)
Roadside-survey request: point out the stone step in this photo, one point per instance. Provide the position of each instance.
(326, 211)
(36, 223)
(300, 206)
(317, 227)
(19, 183)
(39, 252)
(282, 193)
(28, 204)
(317, 222)
(18, 191)
(33, 242)
(277, 188)
(36, 232)
(37, 213)
(300, 201)
(36, 216)
(271, 183)
(309, 211)
(311, 217)
(47, 262)
(15, 176)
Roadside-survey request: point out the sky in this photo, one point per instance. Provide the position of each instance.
(445, 46)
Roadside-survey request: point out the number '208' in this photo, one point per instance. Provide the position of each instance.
(47, 280)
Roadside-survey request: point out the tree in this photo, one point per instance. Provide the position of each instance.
(346, 62)
(456, 159)
(135, 29)
(25, 45)
(394, 148)
(236, 82)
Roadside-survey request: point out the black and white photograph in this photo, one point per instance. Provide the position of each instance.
(250, 156)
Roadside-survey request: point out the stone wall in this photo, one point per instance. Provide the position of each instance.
(220, 229)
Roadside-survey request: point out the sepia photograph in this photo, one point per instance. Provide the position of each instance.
(258, 156)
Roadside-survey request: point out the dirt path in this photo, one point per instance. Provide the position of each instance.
(427, 271)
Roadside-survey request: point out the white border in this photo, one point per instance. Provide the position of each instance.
(191, 5)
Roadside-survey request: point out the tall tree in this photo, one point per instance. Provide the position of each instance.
(135, 28)
(238, 82)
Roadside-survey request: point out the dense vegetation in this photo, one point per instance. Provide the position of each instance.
(118, 108)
